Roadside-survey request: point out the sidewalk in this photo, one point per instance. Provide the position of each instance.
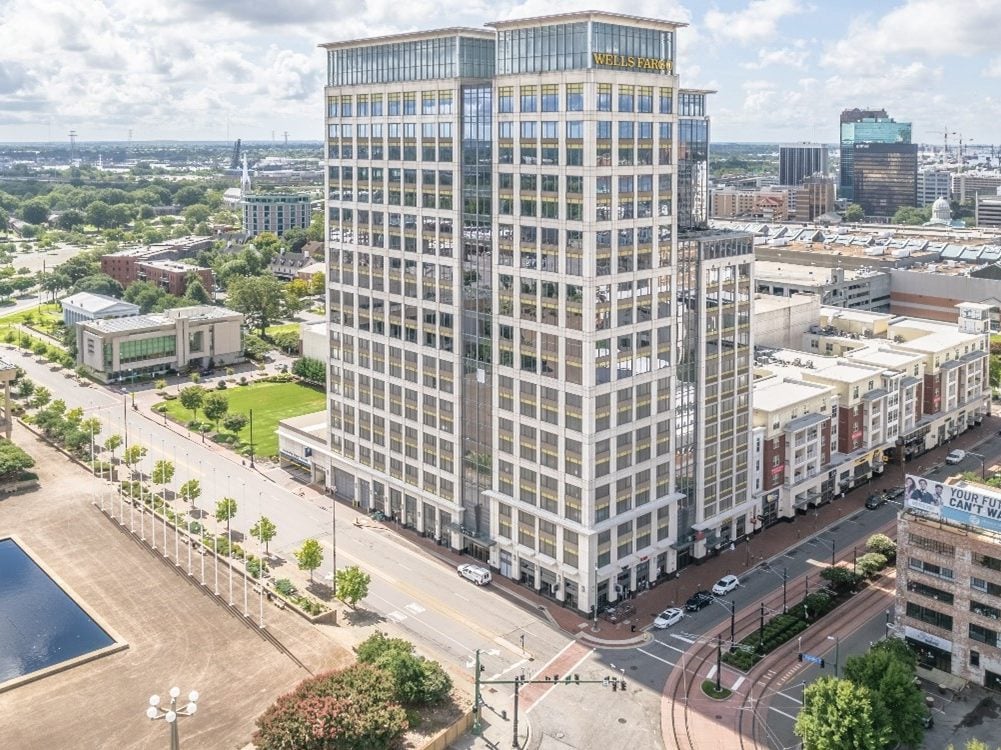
(763, 545)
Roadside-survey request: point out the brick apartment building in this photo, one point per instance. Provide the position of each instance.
(159, 263)
(948, 603)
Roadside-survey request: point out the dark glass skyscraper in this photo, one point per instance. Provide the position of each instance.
(865, 126)
(886, 177)
(797, 161)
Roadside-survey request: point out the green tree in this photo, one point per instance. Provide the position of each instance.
(871, 563)
(100, 283)
(133, 455)
(911, 215)
(192, 397)
(839, 715)
(309, 556)
(196, 213)
(841, 579)
(189, 195)
(267, 242)
(417, 681)
(42, 396)
(288, 341)
(71, 219)
(352, 585)
(297, 288)
(854, 212)
(318, 283)
(310, 369)
(995, 371)
(260, 298)
(163, 473)
(112, 444)
(235, 422)
(889, 676)
(225, 509)
(214, 407)
(99, 214)
(195, 292)
(190, 491)
(13, 460)
(35, 211)
(264, 531)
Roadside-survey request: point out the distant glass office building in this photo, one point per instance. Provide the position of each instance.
(865, 126)
(540, 355)
(886, 177)
(797, 161)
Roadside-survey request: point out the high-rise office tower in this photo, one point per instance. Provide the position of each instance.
(540, 355)
(886, 177)
(865, 126)
(797, 161)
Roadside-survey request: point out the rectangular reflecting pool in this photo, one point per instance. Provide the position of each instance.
(41, 626)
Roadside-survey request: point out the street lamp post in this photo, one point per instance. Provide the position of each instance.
(172, 713)
(837, 650)
(833, 542)
(983, 464)
(251, 438)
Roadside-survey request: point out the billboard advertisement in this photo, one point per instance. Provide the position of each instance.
(962, 504)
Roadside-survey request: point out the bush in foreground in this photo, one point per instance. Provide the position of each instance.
(348, 709)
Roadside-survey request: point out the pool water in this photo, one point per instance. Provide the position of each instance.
(40, 625)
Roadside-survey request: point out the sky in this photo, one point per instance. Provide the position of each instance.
(223, 69)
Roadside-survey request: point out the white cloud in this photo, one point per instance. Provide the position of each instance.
(793, 57)
(993, 69)
(759, 20)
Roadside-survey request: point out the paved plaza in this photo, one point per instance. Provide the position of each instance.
(177, 634)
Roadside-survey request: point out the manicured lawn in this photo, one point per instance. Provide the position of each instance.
(282, 328)
(48, 314)
(270, 402)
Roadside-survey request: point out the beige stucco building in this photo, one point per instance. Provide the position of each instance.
(146, 345)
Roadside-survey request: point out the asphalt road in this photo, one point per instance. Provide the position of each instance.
(422, 599)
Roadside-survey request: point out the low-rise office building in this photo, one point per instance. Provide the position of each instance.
(275, 212)
(149, 345)
(855, 288)
(86, 306)
(948, 602)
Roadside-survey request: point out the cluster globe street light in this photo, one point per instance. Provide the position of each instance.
(172, 713)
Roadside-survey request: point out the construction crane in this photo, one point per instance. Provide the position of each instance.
(946, 134)
(234, 162)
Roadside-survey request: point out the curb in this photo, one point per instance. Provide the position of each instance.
(589, 640)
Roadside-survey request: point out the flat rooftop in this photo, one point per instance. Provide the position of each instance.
(776, 393)
(798, 273)
(764, 303)
(888, 358)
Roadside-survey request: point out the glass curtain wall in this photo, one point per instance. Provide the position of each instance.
(477, 355)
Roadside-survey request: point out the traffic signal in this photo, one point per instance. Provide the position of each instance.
(822, 663)
(615, 685)
(800, 656)
(622, 685)
(576, 679)
(604, 682)
(482, 668)
(566, 680)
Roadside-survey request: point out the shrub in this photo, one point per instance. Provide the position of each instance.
(284, 586)
(349, 709)
(883, 545)
(841, 579)
(253, 566)
(417, 681)
(871, 563)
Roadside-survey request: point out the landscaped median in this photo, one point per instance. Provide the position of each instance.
(841, 585)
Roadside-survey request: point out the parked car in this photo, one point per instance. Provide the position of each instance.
(955, 456)
(667, 618)
(875, 500)
(620, 611)
(725, 585)
(895, 494)
(698, 600)
(476, 574)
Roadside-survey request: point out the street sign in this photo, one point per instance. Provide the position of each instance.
(813, 659)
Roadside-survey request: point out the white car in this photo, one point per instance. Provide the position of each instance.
(725, 585)
(476, 574)
(955, 456)
(667, 618)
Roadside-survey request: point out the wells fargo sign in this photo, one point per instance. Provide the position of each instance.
(628, 61)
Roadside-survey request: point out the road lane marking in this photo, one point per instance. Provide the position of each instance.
(794, 700)
(673, 648)
(783, 713)
(548, 690)
(464, 598)
(682, 638)
(738, 683)
(415, 608)
(654, 656)
(396, 616)
(514, 666)
(712, 673)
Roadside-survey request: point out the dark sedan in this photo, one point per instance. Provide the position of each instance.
(698, 600)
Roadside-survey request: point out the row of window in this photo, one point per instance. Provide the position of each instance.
(396, 104)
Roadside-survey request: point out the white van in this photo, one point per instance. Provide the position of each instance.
(476, 574)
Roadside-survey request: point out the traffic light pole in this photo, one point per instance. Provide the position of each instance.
(519, 682)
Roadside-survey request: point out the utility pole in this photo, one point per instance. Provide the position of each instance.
(476, 696)
(719, 663)
(761, 629)
(785, 577)
(251, 438)
(733, 624)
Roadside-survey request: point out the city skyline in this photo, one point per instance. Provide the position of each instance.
(202, 70)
